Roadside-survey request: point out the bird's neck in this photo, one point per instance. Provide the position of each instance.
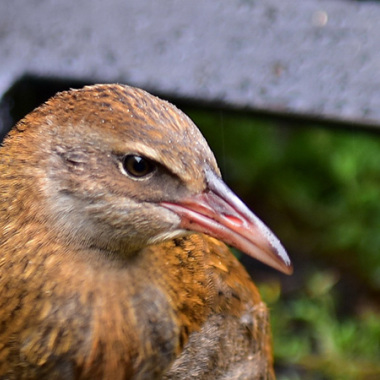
(160, 294)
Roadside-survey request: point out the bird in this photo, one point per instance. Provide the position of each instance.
(114, 264)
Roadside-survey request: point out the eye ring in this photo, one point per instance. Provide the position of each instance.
(137, 166)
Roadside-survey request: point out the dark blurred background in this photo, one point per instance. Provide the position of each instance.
(288, 95)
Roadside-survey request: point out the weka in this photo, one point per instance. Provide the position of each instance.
(106, 194)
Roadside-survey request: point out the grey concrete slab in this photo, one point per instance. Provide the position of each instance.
(313, 57)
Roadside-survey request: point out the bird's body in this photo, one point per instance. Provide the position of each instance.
(100, 277)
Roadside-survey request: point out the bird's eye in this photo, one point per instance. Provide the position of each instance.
(137, 166)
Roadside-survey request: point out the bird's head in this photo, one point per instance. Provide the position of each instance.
(115, 168)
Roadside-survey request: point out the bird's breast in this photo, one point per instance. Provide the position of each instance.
(121, 319)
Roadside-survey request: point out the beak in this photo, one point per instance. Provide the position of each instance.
(218, 212)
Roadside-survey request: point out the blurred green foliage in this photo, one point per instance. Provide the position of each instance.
(312, 342)
(319, 189)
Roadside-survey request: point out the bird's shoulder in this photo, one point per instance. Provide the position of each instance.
(232, 333)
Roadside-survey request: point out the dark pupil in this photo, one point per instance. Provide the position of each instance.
(137, 166)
